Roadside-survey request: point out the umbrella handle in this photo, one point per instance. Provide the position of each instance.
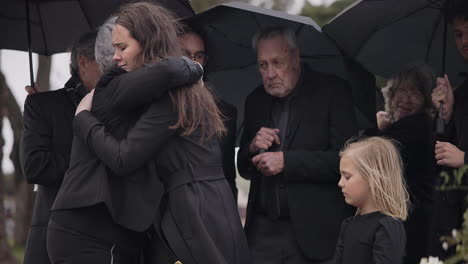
(28, 28)
(440, 122)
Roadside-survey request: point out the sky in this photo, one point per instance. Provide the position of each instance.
(15, 66)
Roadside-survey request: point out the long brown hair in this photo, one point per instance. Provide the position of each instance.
(157, 31)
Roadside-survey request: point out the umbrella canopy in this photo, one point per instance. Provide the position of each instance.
(56, 24)
(228, 30)
(385, 35)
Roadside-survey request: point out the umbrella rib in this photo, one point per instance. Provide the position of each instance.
(434, 29)
(228, 38)
(41, 23)
(398, 20)
(84, 14)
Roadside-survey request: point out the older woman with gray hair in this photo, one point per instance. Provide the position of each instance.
(409, 120)
(104, 51)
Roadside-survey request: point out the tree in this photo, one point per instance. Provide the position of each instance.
(202, 5)
(6, 255)
(322, 14)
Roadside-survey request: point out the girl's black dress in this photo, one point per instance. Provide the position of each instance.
(373, 238)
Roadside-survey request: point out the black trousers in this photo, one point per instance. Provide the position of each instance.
(89, 236)
(272, 241)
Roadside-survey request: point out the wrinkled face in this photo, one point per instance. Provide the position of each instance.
(127, 49)
(460, 28)
(354, 186)
(193, 47)
(89, 72)
(278, 65)
(407, 100)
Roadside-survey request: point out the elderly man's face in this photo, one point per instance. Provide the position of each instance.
(278, 65)
(460, 28)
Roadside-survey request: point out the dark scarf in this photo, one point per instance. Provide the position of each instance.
(75, 89)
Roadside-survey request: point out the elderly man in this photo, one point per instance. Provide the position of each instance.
(295, 125)
(47, 136)
(451, 205)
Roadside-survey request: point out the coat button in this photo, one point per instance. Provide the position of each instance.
(177, 262)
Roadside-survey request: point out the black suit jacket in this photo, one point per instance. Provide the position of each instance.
(44, 155)
(131, 197)
(321, 119)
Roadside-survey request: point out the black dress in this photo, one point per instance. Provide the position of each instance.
(416, 143)
(373, 238)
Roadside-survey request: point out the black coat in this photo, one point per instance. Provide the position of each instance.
(44, 155)
(321, 119)
(200, 220)
(416, 143)
(133, 199)
(228, 144)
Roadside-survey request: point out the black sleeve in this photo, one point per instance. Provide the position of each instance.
(322, 166)
(143, 86)
(389, 243)
(141, 143)
(338, 257)
(41, 164)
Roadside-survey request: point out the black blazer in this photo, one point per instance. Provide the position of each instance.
(44, 155)
(321, 119)
(131, 199)
(199, 217)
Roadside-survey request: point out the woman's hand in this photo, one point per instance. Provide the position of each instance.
(85, 103)
(383, 120)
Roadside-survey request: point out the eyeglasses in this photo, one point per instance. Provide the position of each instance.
(199, 57)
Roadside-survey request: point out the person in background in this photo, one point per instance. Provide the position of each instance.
(408, 119)
(372, 181)
(193, 47)
(47, 138)
(295, 125)
(450, 149)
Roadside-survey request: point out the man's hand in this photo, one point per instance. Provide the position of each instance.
(264, 139)
(383, 120)
(443, 93)
(269, 163)
(85, 103)
(30, 89)
(449, 155)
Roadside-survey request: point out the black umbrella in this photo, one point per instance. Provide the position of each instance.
(55, 24)
(385, 35)
(232, 65)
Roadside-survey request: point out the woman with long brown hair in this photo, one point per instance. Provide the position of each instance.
(175, 140)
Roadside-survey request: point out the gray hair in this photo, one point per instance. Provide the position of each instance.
(83, 47)
(271, 32)
(421, 76)
(104, 50)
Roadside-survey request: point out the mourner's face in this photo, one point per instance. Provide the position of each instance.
(89, 72)
(278, 65)
(354, 186)
(407, 100)
(460, 28)
(194, 47)
(127, 52)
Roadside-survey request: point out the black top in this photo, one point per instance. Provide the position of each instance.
(373, 238)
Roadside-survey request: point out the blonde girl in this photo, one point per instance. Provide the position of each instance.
(372, 181)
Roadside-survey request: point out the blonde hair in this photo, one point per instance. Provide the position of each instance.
(379, 162)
